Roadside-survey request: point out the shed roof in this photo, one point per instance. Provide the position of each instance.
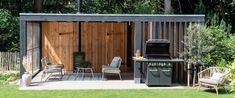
(111, 17)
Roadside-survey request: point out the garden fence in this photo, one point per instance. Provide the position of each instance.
(9, 61)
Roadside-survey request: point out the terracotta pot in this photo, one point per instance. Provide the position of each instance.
(137, 54)
(26, 79)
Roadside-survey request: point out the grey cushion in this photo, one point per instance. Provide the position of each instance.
(216, 76)
(209, 81)
(56, 66)
(115, 62)
(109, 69)
(52, 70)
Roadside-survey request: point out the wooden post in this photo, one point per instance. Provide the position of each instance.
(137, 46)
(151, 29)
(188, 73)
(22, 45)
(194, 75)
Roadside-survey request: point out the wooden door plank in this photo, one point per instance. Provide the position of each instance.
(58, 42)
(103, 42)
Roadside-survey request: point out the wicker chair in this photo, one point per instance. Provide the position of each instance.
(213, 77)
(52, 65)
(50, 69)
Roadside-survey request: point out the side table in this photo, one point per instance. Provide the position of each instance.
(83, 71)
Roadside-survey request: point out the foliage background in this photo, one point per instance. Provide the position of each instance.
(220, 18)
(9, 28)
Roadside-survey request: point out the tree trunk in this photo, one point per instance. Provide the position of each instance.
(222, 9)
(37, 6)
(167, 6)
(19, 6)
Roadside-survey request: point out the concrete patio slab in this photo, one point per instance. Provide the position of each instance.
(127, 83)
(86, 85)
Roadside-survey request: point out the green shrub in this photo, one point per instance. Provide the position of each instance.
(220, 45)
(7, 77)
(9, 31)
(232, 73)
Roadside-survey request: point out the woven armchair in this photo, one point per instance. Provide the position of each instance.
(52, 65)
(213, 77)
(50, 69)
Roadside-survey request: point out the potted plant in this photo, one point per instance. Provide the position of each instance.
(86, 64)
(195, 46)
(137, 54)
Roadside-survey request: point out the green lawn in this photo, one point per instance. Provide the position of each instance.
(13, 92)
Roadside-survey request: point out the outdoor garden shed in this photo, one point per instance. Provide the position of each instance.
(101, 37)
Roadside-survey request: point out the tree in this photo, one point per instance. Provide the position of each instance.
(122, 6)
(195, 47)
(9, 28)
(223, 8)
(38, 6)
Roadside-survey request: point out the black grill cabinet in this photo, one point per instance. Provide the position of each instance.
(158, 73)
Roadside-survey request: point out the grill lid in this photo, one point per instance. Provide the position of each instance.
(157, 48)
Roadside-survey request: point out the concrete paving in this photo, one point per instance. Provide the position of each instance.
(86, 85)
(37, 84)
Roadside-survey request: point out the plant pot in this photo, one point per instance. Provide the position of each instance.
(137, 54)
(26, 79)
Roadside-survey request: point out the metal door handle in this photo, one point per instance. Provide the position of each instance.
(166, 70)
(153, 70)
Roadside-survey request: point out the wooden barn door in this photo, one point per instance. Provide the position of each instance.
(59, 41)
(102, 41)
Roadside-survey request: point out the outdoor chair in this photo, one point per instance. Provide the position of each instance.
(113, 67)
(213, 77)
(52, 65)
(50, 69)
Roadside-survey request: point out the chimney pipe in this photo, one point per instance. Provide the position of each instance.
(79, 6)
